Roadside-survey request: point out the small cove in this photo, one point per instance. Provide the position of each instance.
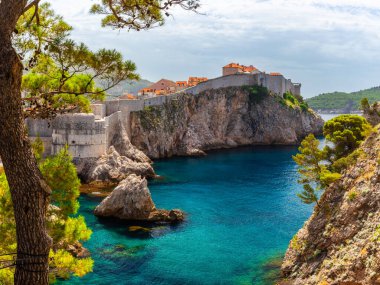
(242, 211)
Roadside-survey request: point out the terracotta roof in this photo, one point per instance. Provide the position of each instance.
(234, 65)
(162, 84)
(181, 83)
(242, 67)
(127, 96)
(275, 74)
(196, 80)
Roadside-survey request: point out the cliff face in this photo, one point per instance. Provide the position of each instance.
(221, 118)
(340, 243)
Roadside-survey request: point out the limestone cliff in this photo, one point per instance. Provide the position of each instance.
(340, 243)
(220, 118)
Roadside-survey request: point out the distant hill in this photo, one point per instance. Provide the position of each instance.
(341, 102)
(128, 86)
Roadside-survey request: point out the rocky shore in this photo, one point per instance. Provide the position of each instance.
(220, 118)
(131, 199)
(340, 243)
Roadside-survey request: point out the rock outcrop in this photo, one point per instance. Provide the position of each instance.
(372, 114)
(113, 168)
(131, 200)
(120, 141)
(340, 243)
(221, 118)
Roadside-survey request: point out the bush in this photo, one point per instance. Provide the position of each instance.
(304, 106)
(256, 93)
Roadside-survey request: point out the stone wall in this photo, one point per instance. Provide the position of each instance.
(99, 110)
(112, 124)
(85, 136)
(89, 135)
(42, 129)
(234, 80)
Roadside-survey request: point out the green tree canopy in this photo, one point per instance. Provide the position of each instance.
(65, 229)
(346, 132)
(318, 167)
(139, 14)
(62, 75)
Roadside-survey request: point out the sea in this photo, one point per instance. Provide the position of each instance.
(241, 213)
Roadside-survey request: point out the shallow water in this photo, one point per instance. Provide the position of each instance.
(242, 211)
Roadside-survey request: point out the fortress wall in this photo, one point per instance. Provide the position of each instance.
(225, 81)
(39, 127)
(85, 136)
(276, 84)
(99, 110)
(112, 124)
(112, 107)
(47, 142)
(90, 135)
(42, 129)
(126, 107)
(297, 90)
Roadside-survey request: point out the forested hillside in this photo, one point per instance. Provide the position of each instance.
(343, 102)
(128, 86)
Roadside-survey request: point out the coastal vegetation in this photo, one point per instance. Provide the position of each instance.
(293, 101)
(66, 228)
(340, 239)
(343, 102)
(319, 167)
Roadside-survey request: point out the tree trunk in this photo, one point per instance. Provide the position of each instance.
(30, 194)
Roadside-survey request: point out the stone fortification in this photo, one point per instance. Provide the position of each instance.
(90, 135)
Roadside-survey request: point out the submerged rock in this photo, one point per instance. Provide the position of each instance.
(112, 167)
(131, 200)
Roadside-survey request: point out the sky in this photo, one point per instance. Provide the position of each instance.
(327, 45)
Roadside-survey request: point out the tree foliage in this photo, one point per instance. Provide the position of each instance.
(65, 228)
(343, 101)
(319, 167)
(61, 175)
(62, 75)
(346, 132)
(139, 14)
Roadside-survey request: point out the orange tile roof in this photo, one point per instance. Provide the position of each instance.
(181, 83)
(127, 96)
(275, 74)
(242, 67)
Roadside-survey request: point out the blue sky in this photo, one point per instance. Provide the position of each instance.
(327, 45)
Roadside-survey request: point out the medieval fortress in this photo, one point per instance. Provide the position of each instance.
(90, 135)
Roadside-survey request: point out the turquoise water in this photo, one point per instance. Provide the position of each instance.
(242, 211)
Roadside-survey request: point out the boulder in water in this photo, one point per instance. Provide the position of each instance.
(131, 200)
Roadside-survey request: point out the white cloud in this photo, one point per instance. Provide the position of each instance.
(310, 40)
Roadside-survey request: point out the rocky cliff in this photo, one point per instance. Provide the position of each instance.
(221, 118)
(340, 243)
